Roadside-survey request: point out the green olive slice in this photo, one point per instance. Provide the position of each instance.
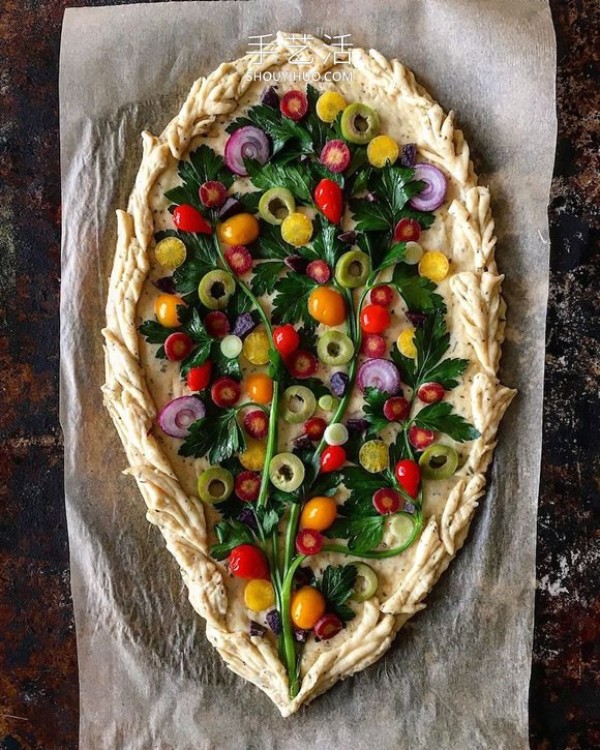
(215, 289)
(366, 582)
(335, 348)
(215, 485)
(401, 525)
(276, 204)
(298, 403)
(353, 269)
(286, 472)
(438, 462)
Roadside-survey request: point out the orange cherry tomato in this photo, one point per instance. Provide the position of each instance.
(327, 306)
(241, 229)
(318, 513)
(260, 388)
(308, 606)
(165, 309)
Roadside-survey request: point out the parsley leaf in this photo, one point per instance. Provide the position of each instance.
(373, 409)
(356, 476)
(218, 435)
(280, 129)
(270, 243)
(154, 333)
(336, 585)
(440, 417)
(268, 518)
(394, 255)
(249, 200)
(291, 298)
(231, 534)
(265, 276)
(325, 245)
(418, 292)
(225, 365)
(203, 165)
(199, 261)
(297, 178)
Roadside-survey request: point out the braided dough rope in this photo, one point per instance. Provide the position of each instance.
(181, 518)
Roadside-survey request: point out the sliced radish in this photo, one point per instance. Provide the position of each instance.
(294, 105)
(216, 324)
(256, 424)
(382, 295)
(434, 193)
(302, 364)
(248, 142)
(328, 626)
(239, 259)
(319, 271)
(213, 194)
(247, 486)
(176, 417)
(396, 409)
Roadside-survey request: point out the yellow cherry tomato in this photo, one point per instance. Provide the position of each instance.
(260, 388)
(308, 606)
(256, 347)
(253, 458)
(381, 150)
(329, 105)
(406, 343)
(296, 229)
(165, 309)
(241, 229)
(259, 595)
(170, 252)
(434, 265)
(318, 513)
(327, 306)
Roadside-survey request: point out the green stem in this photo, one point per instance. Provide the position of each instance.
(290, 535)
(288, 645)
(271, 446)
(381, 554)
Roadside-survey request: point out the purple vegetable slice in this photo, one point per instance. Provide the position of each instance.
(434, 193)
(381, 374)
(256, 628)
(176, 417)
(248, 142)
(408, 155)
(230, 208)
(244, 324)
(270, 98)
(339, 383)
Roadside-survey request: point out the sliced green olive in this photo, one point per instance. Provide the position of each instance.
(335, 348)
(401, 525)
(359, 123)
(286, 472)
(215, 289)
(276, 204)
(298, 404)
(366, 582)
(438, 462)
(215, 485)
(353, 269)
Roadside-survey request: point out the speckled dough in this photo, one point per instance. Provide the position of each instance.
(134, 385)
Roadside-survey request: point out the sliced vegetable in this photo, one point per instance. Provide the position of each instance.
(332, 458)
(165, 309)
(438, 462)
(431, 393)
(225, 392)
(231, 207)
(406, 343)
(309, 542)
(175, 418)
(374, 319)
(366, 582)
(382, 150)
(338, 383)
(434, 193)
(259, 387)
(215, 289)
(382, 295)
(401, 527)
(336, 434)
(296, 229)
(413, 252)
(231, 346)
(335, 348)
(386, 501)
(335, 155)
(199, 377)
(373, 346)
(286, 339)
(248, 142)
(353, 269)
(328, 626)
(256, 424)
(298, 404)
(259, 595)
(286, 471)
(238, 259)
(307, 608)
(407, 230)
(216, 324)
(434, 266)
(328, 403)
(276, 204)
(257, 347)
(253, 458)
(396, 409)
(213, 194)
(170, 252)
(294, 104)
(329, 105)
(241, 229)
(408, 155)
(177, 346)
(243, 325)
(374, 456)
(302, 364)
(247, 486)
(420, 438)
(359, 123)
(408, 475)
(314, 428)
(381, 374)
(319, 271)
(215, 485)
(327, 306)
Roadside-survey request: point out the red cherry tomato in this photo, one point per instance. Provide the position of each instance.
(374, 319)
(247, 561)
(189, 219)
(329, 200)
(408, 475)
(407, 230)
(286, 339)
(332, 458)
(199, 377)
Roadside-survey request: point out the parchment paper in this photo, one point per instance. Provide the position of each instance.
(457, 676)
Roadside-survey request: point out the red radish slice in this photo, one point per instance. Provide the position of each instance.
(328, 626)
(386, 501)
(225, 392)
(373, 346)
(314, 428)
(420, 438)
(431, 393)
(434, 193)
(309, 542)
(177, 346)
(176, 417)
(381, 374)
(407, 230)
(335, 155)
(302, 364)
(248, 142)
(318, 271)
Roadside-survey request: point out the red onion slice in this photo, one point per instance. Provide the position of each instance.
(381, 374)
(434, 193)
(176, 417)
(248, 142)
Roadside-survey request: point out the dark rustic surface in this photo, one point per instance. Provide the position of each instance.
(38, 666)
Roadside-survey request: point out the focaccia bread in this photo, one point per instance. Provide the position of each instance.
(304, 328)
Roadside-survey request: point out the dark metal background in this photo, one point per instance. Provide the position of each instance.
(38, 667)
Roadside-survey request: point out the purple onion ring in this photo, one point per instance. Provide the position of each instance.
(381, 374)
(434, 193)
(248, 142)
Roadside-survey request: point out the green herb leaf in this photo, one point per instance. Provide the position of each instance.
(373, 409)
(297, 178)
(337, 585)
(249, 200)
(418, 292)
(363, 533)
(231, 534)
(199, 261)
(268, 518)
(325, 245)
(291, 298)
(218, 436)
(270, 244)
(357, 477)
(394, 255)
(225, 365)
(266, 276)
(154, 333)
(440, 417)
